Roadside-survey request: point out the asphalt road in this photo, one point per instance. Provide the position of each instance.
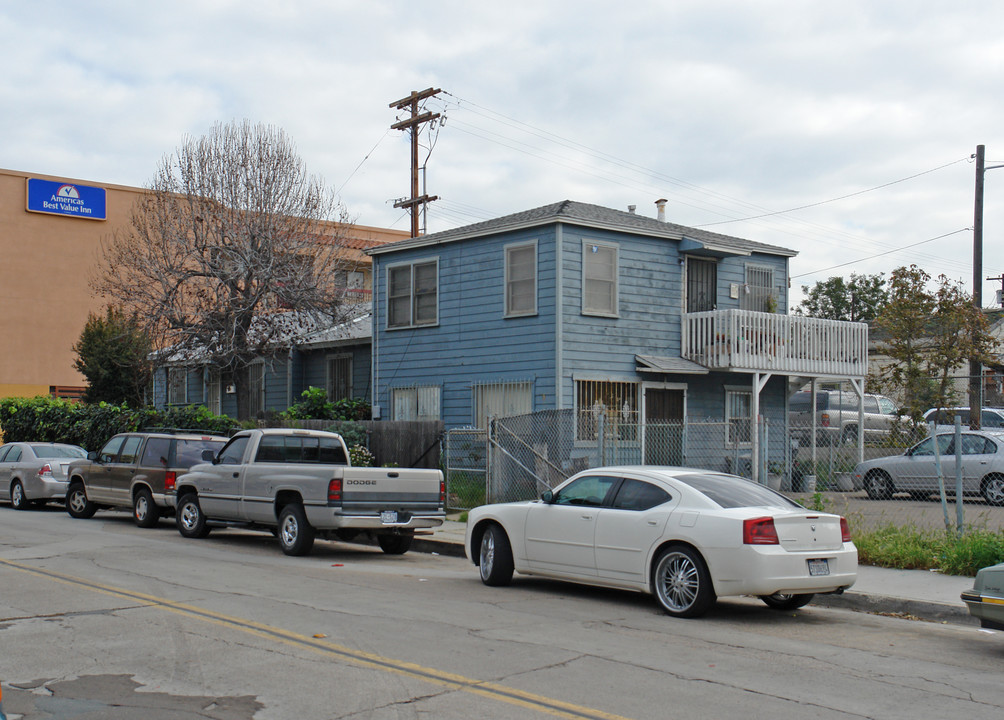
(100, 619)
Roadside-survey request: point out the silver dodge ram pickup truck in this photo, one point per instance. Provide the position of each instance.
(297, 482)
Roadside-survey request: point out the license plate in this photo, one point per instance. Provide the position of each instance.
(388, 517)
(819, 567)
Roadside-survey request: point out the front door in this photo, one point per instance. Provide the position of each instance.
(663, 426)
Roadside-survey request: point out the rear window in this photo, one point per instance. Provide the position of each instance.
(735, 492)
(189, 452)
(58, 451)
(290, 449)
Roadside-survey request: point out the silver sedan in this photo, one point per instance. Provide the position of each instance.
(35, 472)
(917, 471)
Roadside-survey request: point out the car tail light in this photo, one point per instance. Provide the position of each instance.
(170, 478)
(442, 493)
(845, 530)
(45, 470)
(824, 420)
(760, 531)
(335, 491)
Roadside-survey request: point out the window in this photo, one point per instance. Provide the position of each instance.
(521, 279)
(612, 404)
(739, 417)
(729, 492)
(503, 399)
(415, 403)
(13, 455)
(412, 294)
(111, 449)
(256, 388)
(130, 449)
(758, 293)
(339, 381)
(214, 394)
(702, 285)
(233, 452)
(157, 453)
(287, 449)
(599, 279)
(637, 495)
(590, 491)
(177, 386)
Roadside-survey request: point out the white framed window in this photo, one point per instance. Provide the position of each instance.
(413, 294)
(739, 417)
(256, 388)
(758, 293)
(610, 404)
(599, 279)
(214, 393)
(521, 279)
(501, 399)
(339, 377)
(415, 403)
(177, 386)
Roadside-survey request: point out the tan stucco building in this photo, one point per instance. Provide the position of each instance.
(51, 231)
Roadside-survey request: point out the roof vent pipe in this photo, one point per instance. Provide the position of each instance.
(661, 204)
(632, 208)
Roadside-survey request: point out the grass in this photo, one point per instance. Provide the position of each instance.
(910, 548)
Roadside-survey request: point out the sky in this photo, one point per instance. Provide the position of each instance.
(844, 131)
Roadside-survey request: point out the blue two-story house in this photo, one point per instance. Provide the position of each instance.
(576, 306)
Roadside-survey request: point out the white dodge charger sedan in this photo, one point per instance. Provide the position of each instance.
(687, 536)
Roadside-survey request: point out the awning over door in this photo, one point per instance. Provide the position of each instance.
(672, 365)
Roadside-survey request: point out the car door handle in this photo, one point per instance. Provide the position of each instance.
(237, 474)
(587, 517)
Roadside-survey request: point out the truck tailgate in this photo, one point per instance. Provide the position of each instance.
(375, 489)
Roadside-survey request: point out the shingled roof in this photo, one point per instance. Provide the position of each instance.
(576, 213)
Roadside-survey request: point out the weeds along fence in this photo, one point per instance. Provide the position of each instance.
(517, 458)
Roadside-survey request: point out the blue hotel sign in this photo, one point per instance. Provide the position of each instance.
(56, 198)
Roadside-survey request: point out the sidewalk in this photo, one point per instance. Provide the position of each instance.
(921, 594)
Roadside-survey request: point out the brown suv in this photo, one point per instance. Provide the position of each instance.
(137, 471)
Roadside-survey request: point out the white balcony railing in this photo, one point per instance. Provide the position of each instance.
(743, 340)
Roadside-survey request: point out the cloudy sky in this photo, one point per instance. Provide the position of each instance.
(841, 130)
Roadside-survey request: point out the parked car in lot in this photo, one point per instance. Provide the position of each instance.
(837, 417)
(35, 472)
(136, 471)
(986, 600)
(944, 418)
(685, 535)
(917, 470)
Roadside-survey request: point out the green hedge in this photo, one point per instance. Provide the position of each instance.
(44, 419)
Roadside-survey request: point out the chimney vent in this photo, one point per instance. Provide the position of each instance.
(661, 204)
(632, 208)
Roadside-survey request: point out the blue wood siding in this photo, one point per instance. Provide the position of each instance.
(315, 373)
(473, 342)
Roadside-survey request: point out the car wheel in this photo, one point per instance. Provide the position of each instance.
(296, 536)
(850, 435)
(77, 504)
(189, 518)
(17, 499)
(879, 485)
(395, 544)
(681, 582)
(495, 557)
(144, 511)
(993, 490)
(786, 601)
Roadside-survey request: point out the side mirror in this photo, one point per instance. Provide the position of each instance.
(547, 497)
(93, 455)
(209, 456)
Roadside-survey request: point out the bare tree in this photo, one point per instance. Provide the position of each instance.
(234, 253)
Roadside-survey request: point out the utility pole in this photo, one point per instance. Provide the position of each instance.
(975, 367)
(413, 123)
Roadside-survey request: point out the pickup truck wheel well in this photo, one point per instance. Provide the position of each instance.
(284, 498)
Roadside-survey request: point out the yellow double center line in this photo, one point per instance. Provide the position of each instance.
(486, 689)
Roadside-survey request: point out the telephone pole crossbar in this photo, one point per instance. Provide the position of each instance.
(413, 125)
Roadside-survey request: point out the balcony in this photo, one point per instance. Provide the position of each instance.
(746, 341)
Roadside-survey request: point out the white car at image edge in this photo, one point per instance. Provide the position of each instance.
(685, 535)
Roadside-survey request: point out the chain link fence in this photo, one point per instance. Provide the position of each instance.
(517, 458)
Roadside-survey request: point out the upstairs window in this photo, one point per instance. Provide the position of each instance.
(758, 293)
(599, 279)
(521, 279)
(412, 294)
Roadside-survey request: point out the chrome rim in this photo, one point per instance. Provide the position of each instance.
(781, 597)
(141, 507)
(17, 495)
(78, 501)
(189, 516)
(487, 553)
(995, 491)
(677, 581)
(290, 529)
